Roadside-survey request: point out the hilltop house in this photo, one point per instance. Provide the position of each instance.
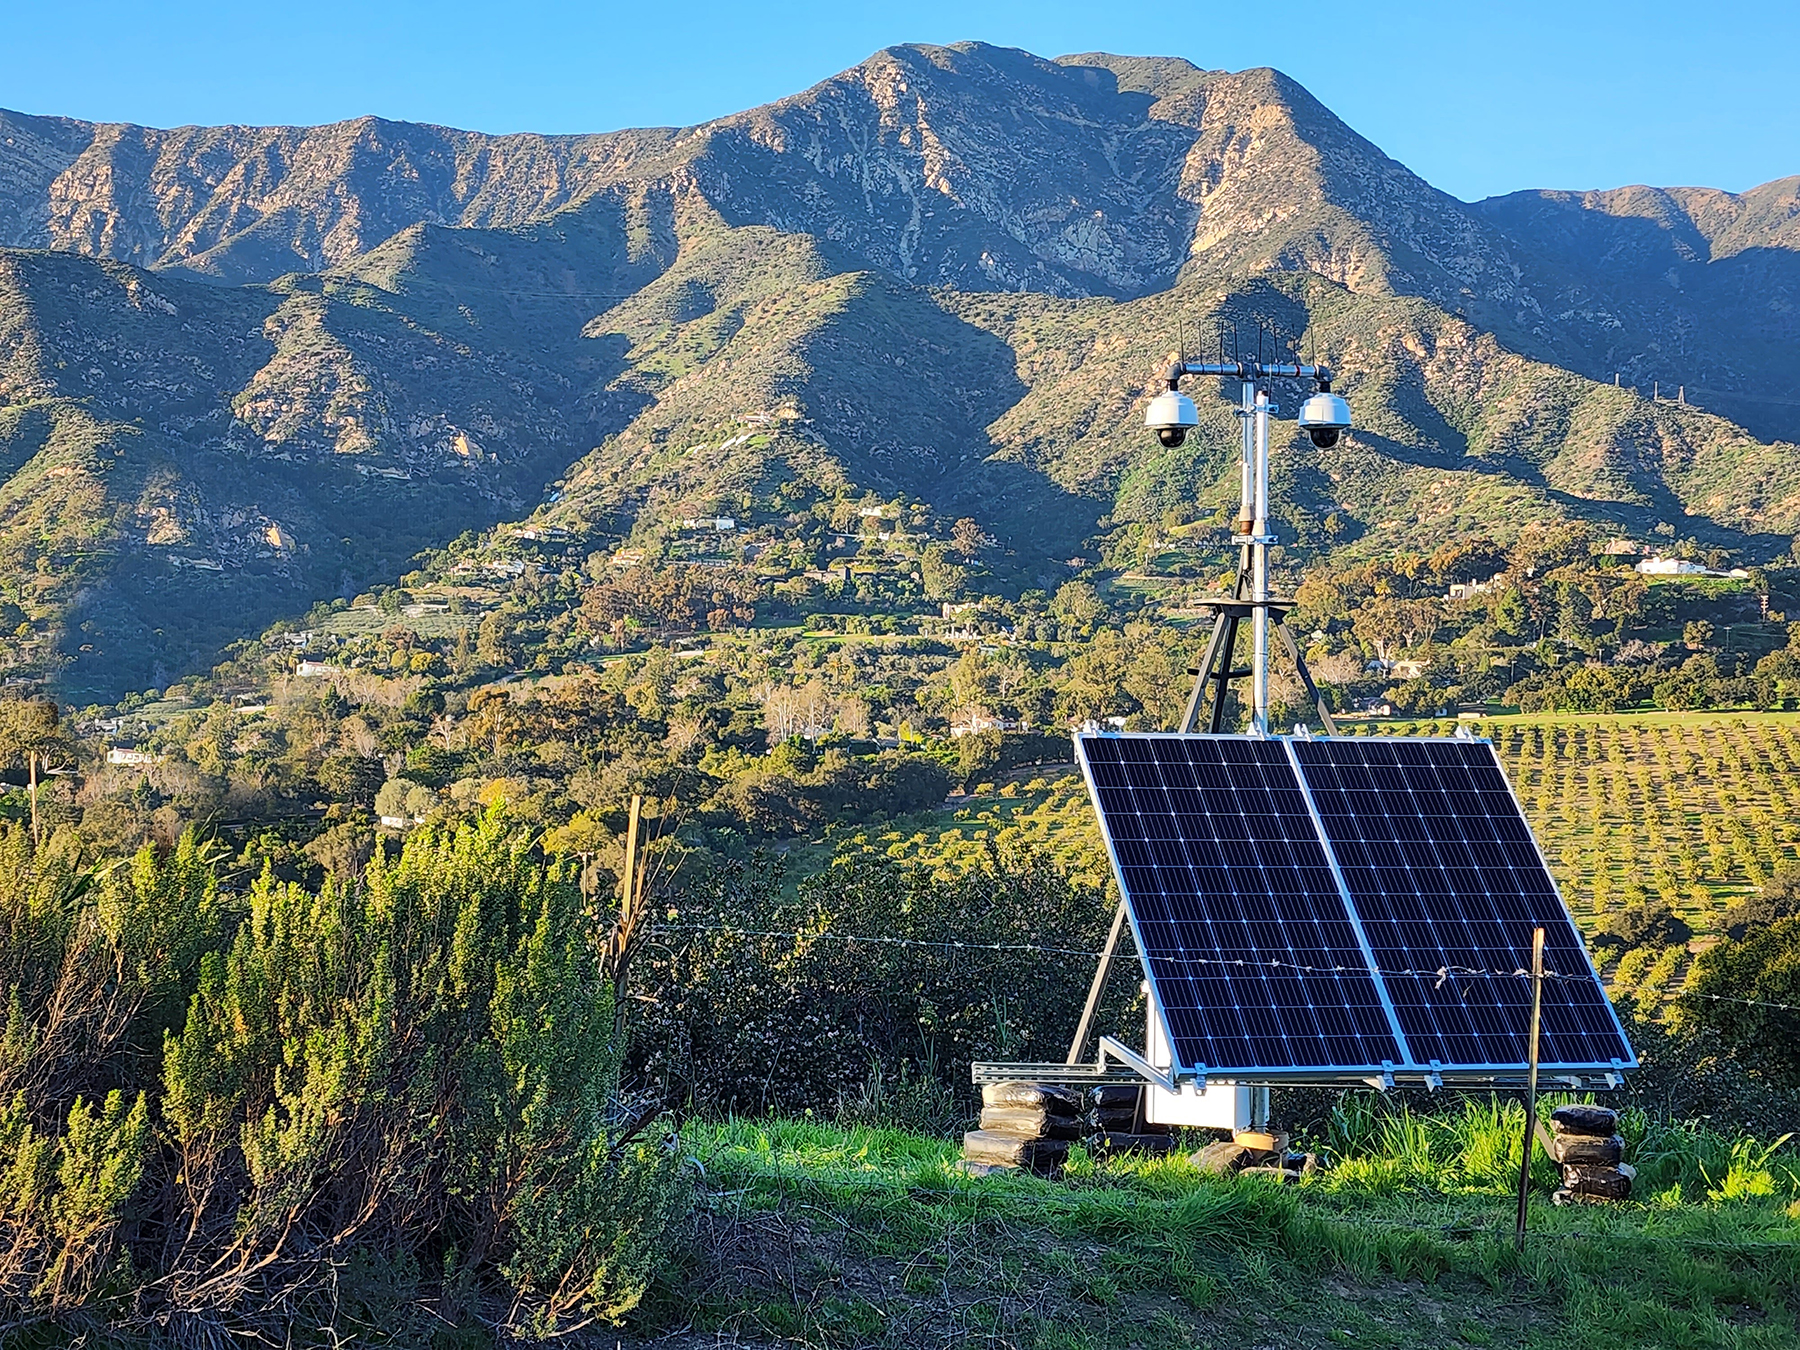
(1468, 590)
(1659, 566)
(979, 721)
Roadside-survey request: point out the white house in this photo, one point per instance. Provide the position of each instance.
(978, 722)
(1672, 567)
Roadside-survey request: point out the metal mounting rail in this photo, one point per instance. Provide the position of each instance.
(1086, 1075)
(1122, 1071)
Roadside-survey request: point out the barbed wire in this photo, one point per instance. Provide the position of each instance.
(1440, 976)
(1747, 1002)
(802, 934)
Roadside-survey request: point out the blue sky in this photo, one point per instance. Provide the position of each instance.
(1477, 98)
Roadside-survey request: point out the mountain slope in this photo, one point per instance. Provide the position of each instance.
(945, 275)
(1689, 287)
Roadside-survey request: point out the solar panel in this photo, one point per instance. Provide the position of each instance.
(1251, 953)
(1449, 883)
(1334, 909)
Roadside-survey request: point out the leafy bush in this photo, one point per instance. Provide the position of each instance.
(1578, 688)
(791, 791)
(762, 1001)
(387, 1104)
(1742, 994)
(1687, 1077)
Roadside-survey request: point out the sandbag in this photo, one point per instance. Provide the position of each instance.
(1601, 1183)
(982, 1146)
(1585, 1118)
(975, 1169)
(1224, 1157)
(1059, 1101)
(1587, 1148)
(1024, 1122)
(1115, 1118)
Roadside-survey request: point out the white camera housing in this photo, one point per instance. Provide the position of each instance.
(1324, 417)
(1171, 415)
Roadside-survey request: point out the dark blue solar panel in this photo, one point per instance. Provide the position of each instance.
(1254, 958)
(1443, 871)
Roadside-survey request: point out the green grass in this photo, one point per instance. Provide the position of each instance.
(826, 1237)
(367, 621)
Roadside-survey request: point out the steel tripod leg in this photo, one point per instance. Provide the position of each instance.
(1306, 678)
(1097, 987)
(1201, 675)
(1221, 677)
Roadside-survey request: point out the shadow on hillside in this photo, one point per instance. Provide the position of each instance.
(905, 391)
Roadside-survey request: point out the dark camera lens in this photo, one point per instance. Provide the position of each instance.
(1173, 436)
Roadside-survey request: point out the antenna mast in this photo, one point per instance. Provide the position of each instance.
(1323, 417)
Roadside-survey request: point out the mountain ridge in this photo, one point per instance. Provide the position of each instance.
(946, 275)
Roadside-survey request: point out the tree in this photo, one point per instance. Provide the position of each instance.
(1077, 607)
(351, 778)
(31, 733)
(967, 538)
(497, 643)
(1679, 693)
(1697, 635)
(1743, 994)
(394, 796)
(1651, 923)
(1381, 623)
(806, 712)
(1465, 560)
(1779, 899)
(943, 579)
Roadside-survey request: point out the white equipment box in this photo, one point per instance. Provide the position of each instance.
(1222, 1106)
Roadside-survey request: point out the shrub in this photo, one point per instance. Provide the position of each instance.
(1742, 994)
(763, 1001)
(387, 1104)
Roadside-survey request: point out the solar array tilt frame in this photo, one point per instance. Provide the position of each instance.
(1342, 909)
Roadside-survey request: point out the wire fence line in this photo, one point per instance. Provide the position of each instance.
(1441, 975)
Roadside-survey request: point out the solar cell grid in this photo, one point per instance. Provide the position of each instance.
(1341, 904)
(1441, 867)
(1252, 955)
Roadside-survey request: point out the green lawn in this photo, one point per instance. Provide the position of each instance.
(824, 1237)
